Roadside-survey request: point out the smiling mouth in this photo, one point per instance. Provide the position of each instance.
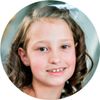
(57, 70)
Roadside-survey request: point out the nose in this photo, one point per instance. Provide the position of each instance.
(54, 58)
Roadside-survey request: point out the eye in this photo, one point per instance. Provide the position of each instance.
(43, 49)
(65, 46)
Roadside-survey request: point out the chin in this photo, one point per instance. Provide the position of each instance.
(57, 83)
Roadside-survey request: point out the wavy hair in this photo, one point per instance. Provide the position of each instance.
(21, 75)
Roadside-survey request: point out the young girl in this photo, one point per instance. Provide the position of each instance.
(48, 55)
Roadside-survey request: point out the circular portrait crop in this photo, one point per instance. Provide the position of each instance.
(46, 50)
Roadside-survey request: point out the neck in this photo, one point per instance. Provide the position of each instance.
(48, 92)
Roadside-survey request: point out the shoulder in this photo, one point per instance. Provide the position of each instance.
(29, 91)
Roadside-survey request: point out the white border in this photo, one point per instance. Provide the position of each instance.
(8, 8)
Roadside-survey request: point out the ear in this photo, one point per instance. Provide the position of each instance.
(23, 56)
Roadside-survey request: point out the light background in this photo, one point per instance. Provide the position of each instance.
(8, 8)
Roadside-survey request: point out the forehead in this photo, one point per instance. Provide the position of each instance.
(49, 28)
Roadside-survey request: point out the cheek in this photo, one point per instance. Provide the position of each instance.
(37, 63)
(70, 59)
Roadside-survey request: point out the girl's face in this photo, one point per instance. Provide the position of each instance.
(50, 52)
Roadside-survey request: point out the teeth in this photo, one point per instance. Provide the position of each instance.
(57, 70)
(54, 70)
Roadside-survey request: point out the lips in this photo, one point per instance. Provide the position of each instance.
(55, 70)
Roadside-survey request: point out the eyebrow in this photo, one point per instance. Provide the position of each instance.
(47, 42)
(63, 40)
